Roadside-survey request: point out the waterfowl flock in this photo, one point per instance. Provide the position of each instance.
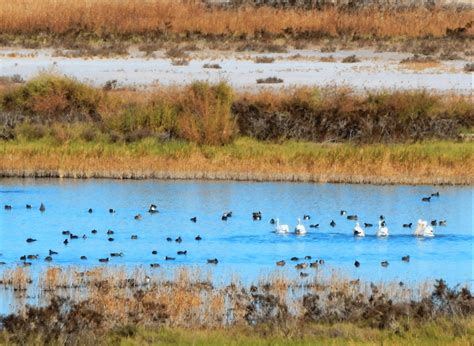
(423, 228)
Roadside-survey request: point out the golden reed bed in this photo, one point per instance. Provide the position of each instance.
(138, 17)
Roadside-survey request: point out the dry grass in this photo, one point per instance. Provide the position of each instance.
(105, 17)
(245, 159)
(88, 304)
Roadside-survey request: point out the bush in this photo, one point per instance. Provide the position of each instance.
(53, 98)
(205, 114)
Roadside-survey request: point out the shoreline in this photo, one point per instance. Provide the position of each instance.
(238, 176)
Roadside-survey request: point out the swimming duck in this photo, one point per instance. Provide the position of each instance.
(307, 257)
(434, 223)
(104, 260)
(384, 264)
(48, 258)
(352, 217)
(272, 221)
(436, 194)
(281, 263)
(178, 240)
(294, 259)
(138, 217)
(94, 231)
(257, 216)
(51, 252)
(65, 242)
(315, 225)
(367, 225)
(281, 228)
(226, 215)
(442, 223)
(383, 230)
(134, 237)
(30, 240)
(168, 258)
(303, 275)
(154, 265)
(406, 258)
(154, 252)
(28, 206)
(426, 199)
(8, 207)
(111, 211)
(343, 212)
(83, 258)
(90, 211)
(116, 254)
(152, 209)
(300, 229)
(42, 208)
(306, 217)
(193, 219)
(332, 224)
(358, 231)
(300, 266)
(212, 261)
(110, 239)
(66, 232)
(185, 252)
(198, 238)
(407, 225)
(357, 264)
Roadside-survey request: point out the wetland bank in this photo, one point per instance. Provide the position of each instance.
(217, 114)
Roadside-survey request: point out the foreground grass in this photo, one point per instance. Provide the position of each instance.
(458, 331)
(434, 162)
(439, 332)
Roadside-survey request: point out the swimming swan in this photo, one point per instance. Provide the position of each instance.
(358, 231)
(300, 229)
(281, 228)
(423, 229)
(383, 230)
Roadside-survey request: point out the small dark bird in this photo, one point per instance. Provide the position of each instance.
(110, 239)
(109, 232)
(185, 252)
(357, 264)
(23, 258)
(407, 225)
(65, 242)
(306, 217)
(48, 258)
(94, 231)
(83, 258)
(300, 266)
(116, 254)
(154, 252)
(226, 215)
(367, 224)
(73, 236)
(257, 216)
(168, 258)
(343, 212)
(152, 209)
(138, 217)
(66, 233)
(333, 224)
(178, 240)
(154, 265)
(28, 206)
(406, 258)
(294, 259)
(30, 240)
(90, 211)
(303, 275)
(316, 225)
(104, 260)
(436, 194)
(193, 219)
(382, 218)
(111, 211)
(442, 222)
(8, 207)
(212, 261)
(272, 221)
(434, 223)
(321, 261)
(42, 208)
(426, 199)
(307, 257)
(51, 252)
(198, 238)
(281, 263)
(134, 237)
(169, 239)
(384, 264)
(352, 217)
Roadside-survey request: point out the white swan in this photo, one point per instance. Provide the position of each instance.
(281, 228)
(300, 229)
(383, 230)
(428, 231)
(423, 229)
(358, 231)
(420, 227)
